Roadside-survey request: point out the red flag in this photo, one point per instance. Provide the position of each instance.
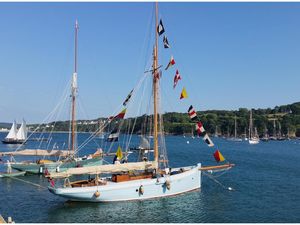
(176, 78)
(199, 128)
(171, 63)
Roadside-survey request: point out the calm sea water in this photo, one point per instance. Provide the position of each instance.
(266, 181)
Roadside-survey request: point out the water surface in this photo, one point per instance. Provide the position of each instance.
(266, 182)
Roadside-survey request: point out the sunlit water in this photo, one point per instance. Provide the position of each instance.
(266, 181)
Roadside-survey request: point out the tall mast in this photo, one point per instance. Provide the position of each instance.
(155, 85)
(250, 125)
(235, 127)
(74, 92)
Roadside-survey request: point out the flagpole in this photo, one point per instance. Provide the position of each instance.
(155, 86)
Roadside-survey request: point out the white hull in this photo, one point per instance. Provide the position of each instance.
(235, 139)
(129, 190)
(253, 141)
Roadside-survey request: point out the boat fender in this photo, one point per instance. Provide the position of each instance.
(141, 190)
(97, 194)
(168, 184)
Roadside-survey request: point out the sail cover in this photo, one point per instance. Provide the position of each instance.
(74, 81)
(36, 152)
(13, 131)
(110, 168)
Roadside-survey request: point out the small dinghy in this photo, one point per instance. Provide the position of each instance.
(13, 174)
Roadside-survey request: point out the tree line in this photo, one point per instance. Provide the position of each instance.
(286, 119)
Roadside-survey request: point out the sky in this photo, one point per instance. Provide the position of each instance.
(230, 55)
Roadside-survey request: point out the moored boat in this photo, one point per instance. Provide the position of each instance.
(253, 137)
(150, 178)
(13, 174)
(15, 136)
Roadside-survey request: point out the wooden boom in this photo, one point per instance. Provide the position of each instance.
(205, 168)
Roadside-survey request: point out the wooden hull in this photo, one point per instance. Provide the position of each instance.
(36, 168)
(131, 190)
(13, 174)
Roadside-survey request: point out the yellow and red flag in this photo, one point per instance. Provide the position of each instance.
(121, 114)
(183, 94)
(218, 156)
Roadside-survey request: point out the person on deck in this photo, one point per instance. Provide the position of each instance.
(8, 167)
(115, 158)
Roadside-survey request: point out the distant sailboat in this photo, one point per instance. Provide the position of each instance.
(266, 136)
(279, 135)
(245, 135)
(143, 149)
(192, 136)
(216, 132)
(113, 137)
(16, 136)
(235, 138)
(274, 136)
(253, 138)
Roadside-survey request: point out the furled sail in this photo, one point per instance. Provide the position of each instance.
(36, 152)
(22, 132)
(110, 168)
(74, 81)
(13, 131)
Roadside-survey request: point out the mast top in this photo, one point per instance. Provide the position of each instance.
(76, 34)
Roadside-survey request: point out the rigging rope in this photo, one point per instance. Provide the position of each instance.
(218, 182)
(107, 122)
(28, 182)
(44, 121)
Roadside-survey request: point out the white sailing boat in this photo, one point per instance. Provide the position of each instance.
(15, 136)
(253, 137)
(133, 180)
